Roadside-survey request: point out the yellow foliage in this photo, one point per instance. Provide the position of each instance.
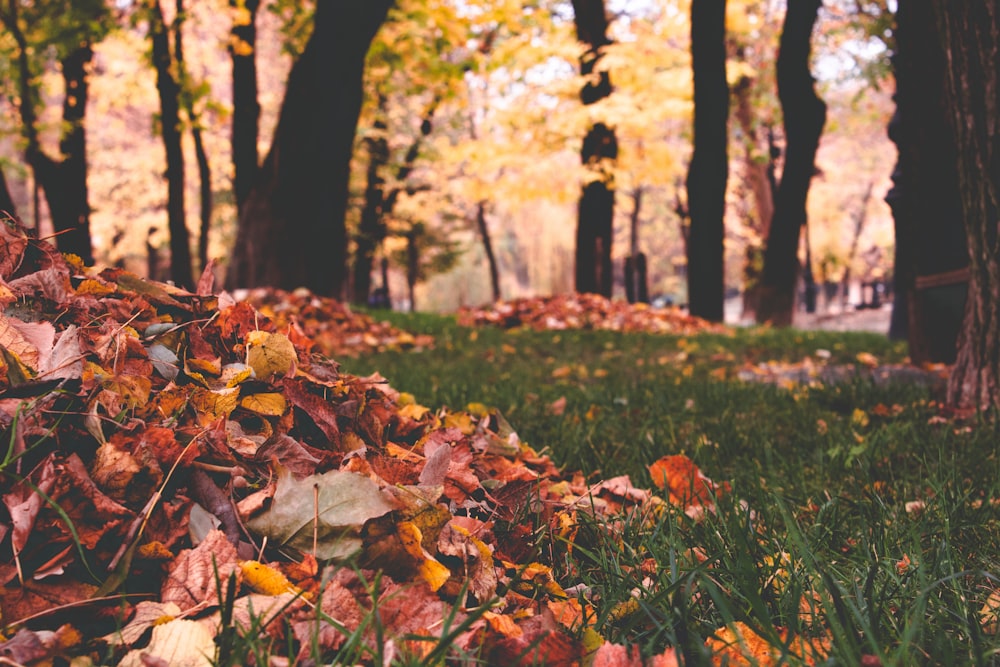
(266, 579)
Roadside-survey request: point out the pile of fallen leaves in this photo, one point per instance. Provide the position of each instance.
(335, 330)
(178, 470)
(585, 311)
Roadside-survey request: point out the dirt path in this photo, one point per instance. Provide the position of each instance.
(876, 320)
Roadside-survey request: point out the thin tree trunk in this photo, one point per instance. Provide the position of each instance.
(246, 108)
(170, 130)
(804, 116)
(371, 228)
(413, 264)
(636, 284)
(595, 225)
(708, 171)
(379, 204)
(204, 196)
(6, 200)
(491, 260)
(64, 181)
(201, 156)
(860, 216)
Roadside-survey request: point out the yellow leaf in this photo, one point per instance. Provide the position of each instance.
(210, 405)
(868, 359)
(133, 388)
(203, 366)
(460, 420)
(270, 355)
(414, 411)
(478, 409)
(433, 572)
(95, 288)
(265, 579)
(266, 403)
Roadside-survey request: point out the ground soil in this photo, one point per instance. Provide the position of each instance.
(868, 319)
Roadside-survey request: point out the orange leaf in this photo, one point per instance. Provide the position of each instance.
(686, 484)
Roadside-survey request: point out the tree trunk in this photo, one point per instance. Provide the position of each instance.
(804, 116)
(971, 38)
(170, 130)
(760, 177)
(595, 213)
(371, 228)
(292, 229)
(852, 253)
(7, 208)
(413, 263)
(636, 283)
(246, 108)
(491, 260)
(931, 243)
(709, 168)
(201, 156)
(379, 204)
(63, 181)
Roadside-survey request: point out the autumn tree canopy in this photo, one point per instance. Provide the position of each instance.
(470, 126)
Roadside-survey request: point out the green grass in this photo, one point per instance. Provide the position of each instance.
(821, 474)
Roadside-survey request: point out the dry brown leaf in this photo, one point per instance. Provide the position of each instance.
(13, 339)
(191, 581)
(24, 502)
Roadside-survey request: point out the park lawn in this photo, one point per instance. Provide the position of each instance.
(862, 518)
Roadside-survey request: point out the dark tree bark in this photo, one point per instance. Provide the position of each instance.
(636, 282)
(491, 260)
(201, 156)
(170, 130)
(371, 227)
(709, 168)
(595, 224)
(379, 204)
(292, 230)
(6, 200)
(970, 33)
(246, 108)
(64, 181)
(413, 238)
(804, 116)
(932, 259)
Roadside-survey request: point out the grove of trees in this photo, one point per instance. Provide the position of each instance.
(495, 148)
